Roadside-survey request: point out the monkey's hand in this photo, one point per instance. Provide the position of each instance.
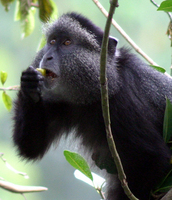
(31, 84)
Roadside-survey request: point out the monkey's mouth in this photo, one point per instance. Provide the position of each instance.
(50, 79)
(47, 73)
(50, 74)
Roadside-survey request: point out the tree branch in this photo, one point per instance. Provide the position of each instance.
(124, 34)
(154, 3)
(11, 88)
(105, 102)
(34, 5)
(20, 189)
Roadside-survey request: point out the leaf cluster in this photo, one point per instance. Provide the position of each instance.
(25, 12)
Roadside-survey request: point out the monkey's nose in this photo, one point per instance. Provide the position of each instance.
(50, 58)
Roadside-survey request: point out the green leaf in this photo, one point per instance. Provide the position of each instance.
(54, 14)
(165, 184)
(24, 8)
(28, 24)
(166, 6)
(160, 69)
(26, 15)
(167, 126)
(7, 101)
(78, 162)
(47, 10)
(17, 15)
(3, 77)
(98, 181)
(6, 4)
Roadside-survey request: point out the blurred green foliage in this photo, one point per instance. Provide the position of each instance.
(144, 25)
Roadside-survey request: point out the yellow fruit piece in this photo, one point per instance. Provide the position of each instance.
(42, 71)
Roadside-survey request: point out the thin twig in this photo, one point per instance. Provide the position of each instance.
(23, 196)
(154, 3)
(105, 102)
(11, 88)
(19, 188)
(129, 40)
(12, 168)
(99, 190)
(124, 34)
(34, 5)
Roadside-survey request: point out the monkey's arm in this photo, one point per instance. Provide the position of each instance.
(30, 118)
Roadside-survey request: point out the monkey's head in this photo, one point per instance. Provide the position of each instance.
(71, 58)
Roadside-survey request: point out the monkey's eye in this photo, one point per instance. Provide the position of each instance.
(53, 41)
(67, 42)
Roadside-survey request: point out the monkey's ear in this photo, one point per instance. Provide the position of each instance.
(113, 41)
(112, 44)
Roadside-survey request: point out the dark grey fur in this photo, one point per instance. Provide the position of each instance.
(68, 98)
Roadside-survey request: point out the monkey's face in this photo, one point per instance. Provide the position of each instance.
(51, 60)
(71, 59)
